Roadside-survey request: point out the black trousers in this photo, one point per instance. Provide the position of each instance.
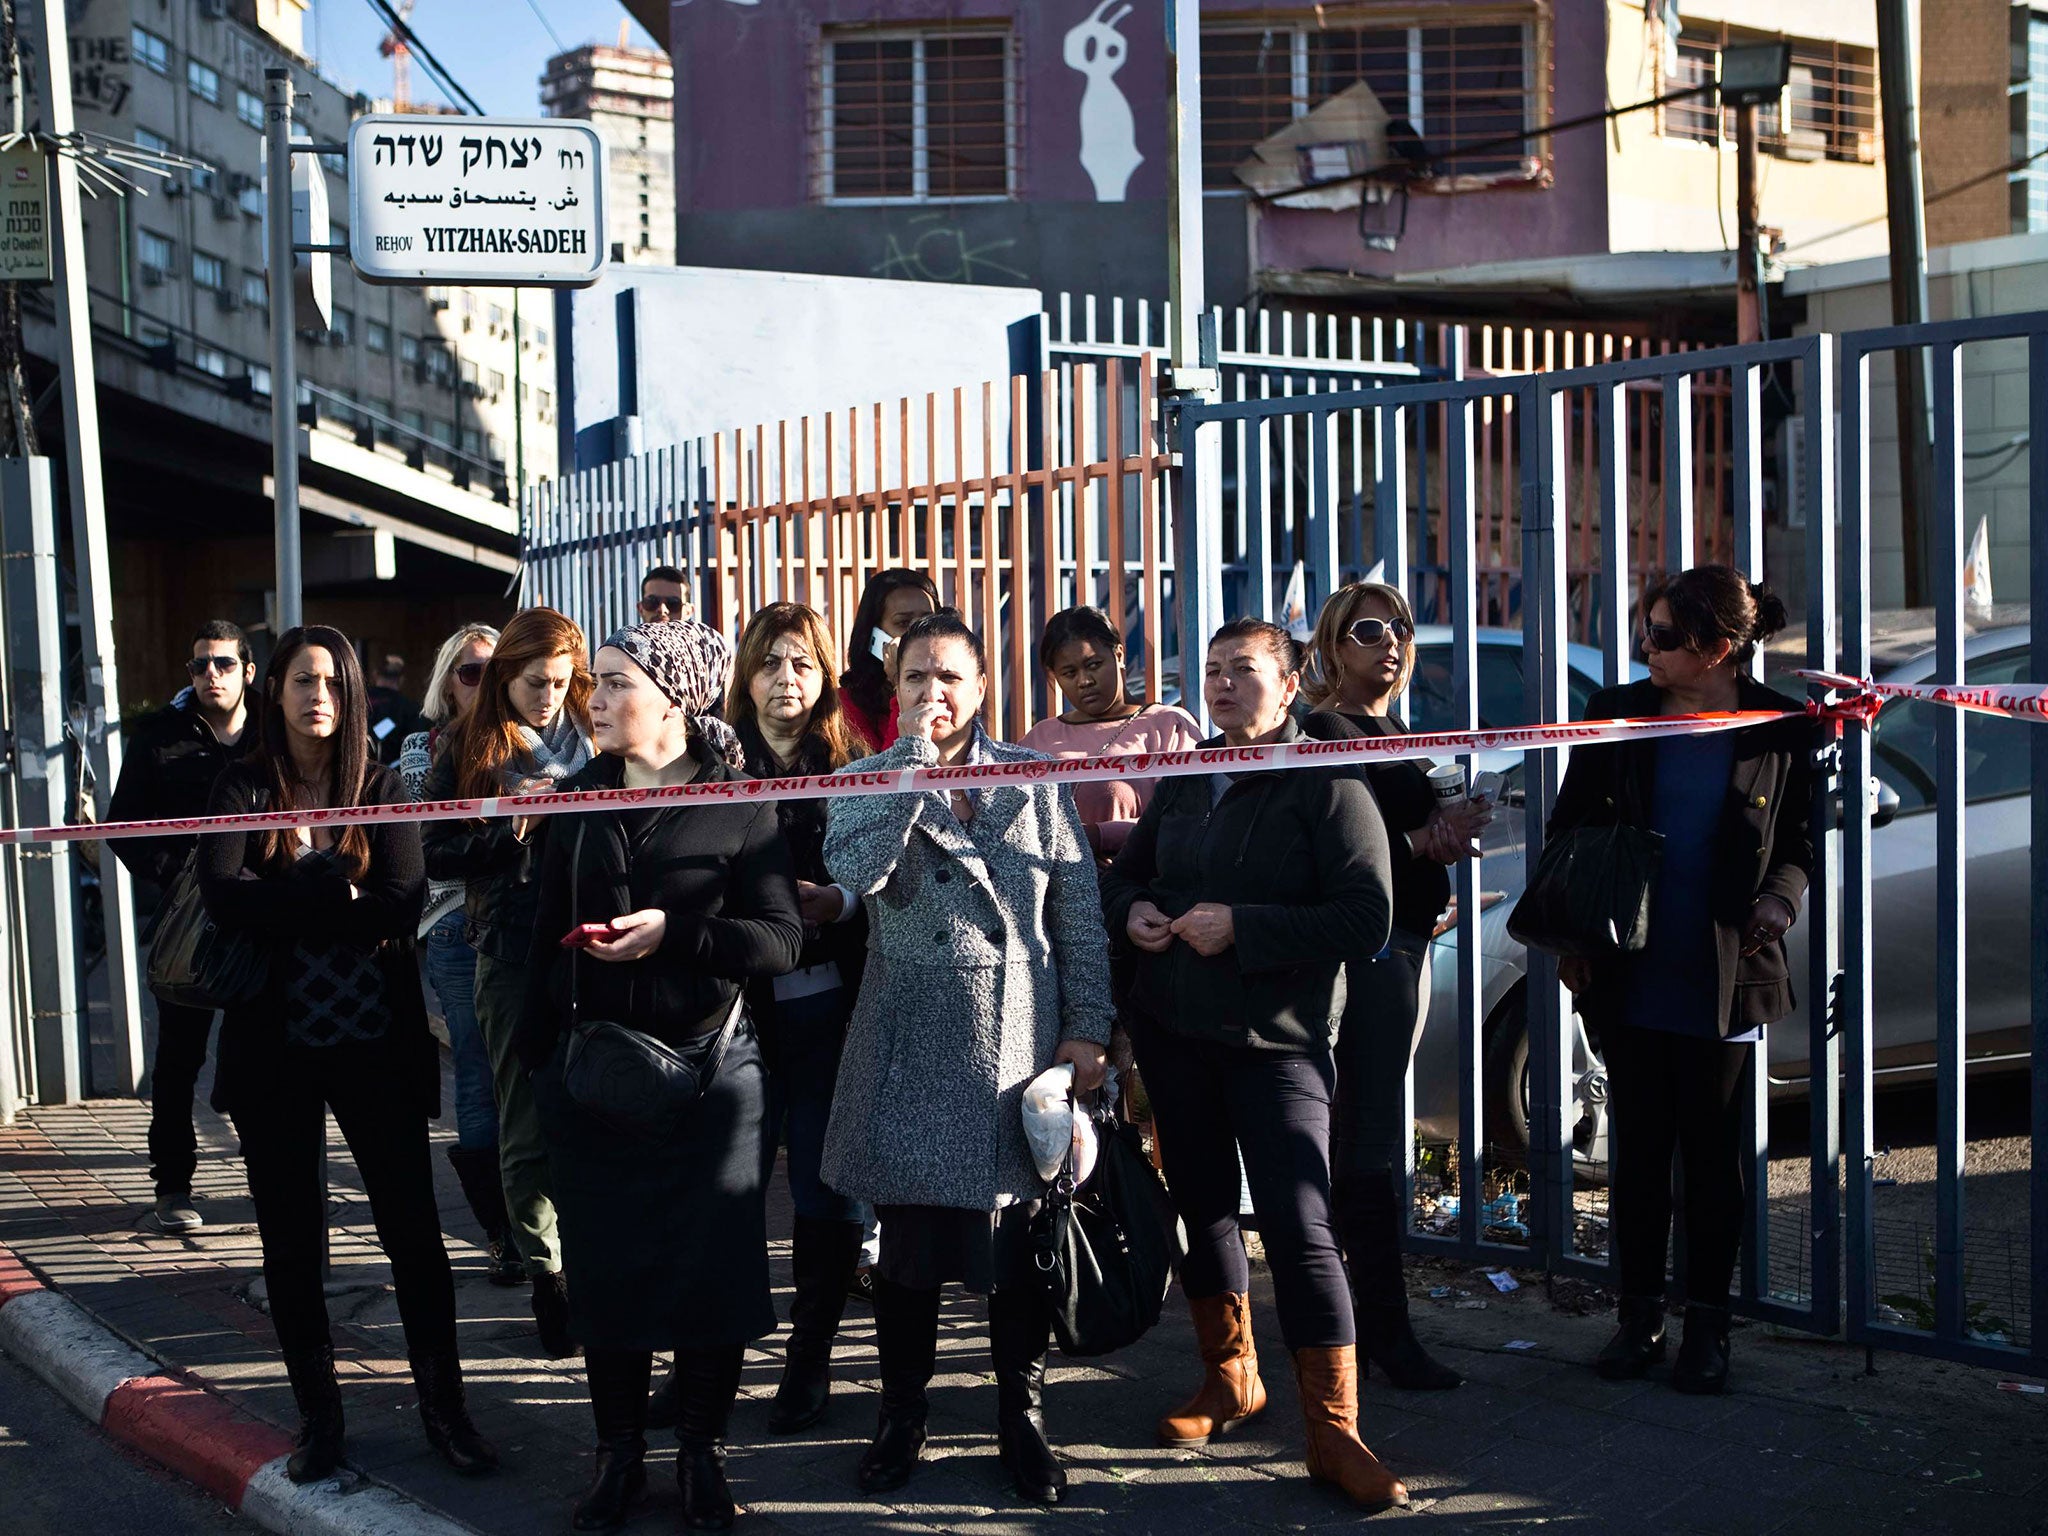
(1210, 1101)
(283, 1134)
(1371, 1131)
(1671, 1093)
(180, 1056)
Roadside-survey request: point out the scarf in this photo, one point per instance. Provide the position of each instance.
(690, 663)
(551, 757)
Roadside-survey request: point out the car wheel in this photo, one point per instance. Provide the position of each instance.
(1507, 1091)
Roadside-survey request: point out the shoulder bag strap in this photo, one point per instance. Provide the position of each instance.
(575, 922)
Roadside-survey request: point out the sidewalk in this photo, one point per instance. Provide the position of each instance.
(1806, 1443)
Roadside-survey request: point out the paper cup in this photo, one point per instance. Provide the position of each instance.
(1448, 780)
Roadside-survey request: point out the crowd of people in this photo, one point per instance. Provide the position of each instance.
(865, 986)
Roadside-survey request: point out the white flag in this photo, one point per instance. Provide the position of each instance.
(1294, 605)
(1977, 569)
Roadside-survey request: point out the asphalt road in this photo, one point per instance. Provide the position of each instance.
(59, 1476)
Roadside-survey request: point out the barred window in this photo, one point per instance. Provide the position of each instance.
(923, 116)
(1457, 86)
(1828, 111)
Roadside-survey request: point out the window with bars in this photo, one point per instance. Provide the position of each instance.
(2030, 200)
(916, 116)
(1828, 111)
(1459, 85)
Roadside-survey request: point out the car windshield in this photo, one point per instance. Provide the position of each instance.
(1996, 759)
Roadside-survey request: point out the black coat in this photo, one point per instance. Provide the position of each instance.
(281, 910)
(172, 758)
(720, 872)
(495, 866)
(1764, 846)
(1400, 788)
(1299, 855)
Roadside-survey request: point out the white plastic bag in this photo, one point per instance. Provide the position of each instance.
(1053, 1129)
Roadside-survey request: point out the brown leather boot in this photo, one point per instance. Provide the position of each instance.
(1329, 1407)
(1231, 1391)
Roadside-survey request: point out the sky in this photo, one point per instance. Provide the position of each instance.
(494, 48)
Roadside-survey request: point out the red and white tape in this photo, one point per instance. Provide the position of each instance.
(895, 781)
(2015, 701)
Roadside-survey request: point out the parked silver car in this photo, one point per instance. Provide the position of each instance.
(1996, 786)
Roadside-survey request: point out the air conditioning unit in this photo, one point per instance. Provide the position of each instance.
(174, 189)
(213, 10)
(224, 208)
(227, 299)
(437, 298)
(473, 390)
(1806, 144)
(152, 276)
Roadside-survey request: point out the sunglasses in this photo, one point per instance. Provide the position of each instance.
(653, 605)
(199, 666)
(1371, 632)
(470, 673)
(1663, 637)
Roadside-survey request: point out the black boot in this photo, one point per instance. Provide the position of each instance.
(551, 1314)
(661, 1403)
(484, 1189)
(318, 1394)
(1703, 1352)
(1371, 1225)
(707, 1381)
(618, 1399)
(1638, 1343)
(907, 1337)
(1019, 1333)
(437, 1378)
(823, 1255)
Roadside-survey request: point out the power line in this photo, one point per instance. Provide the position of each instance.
(541, 17)
(433, 65)
(1995, 173)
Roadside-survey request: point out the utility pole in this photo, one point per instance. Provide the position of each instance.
(284, 362)
(1749, 325)
(92, 570)
(1905, 209)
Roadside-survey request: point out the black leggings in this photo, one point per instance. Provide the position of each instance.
(284, 1131)
(1209, 1101)
(1371, 1130)
(1675, 1093)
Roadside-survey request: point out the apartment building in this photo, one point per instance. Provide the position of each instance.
(628, 95)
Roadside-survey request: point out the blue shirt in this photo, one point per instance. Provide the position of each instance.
(1674, 983)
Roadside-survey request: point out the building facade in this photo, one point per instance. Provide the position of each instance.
(990, 141)
(628, 95)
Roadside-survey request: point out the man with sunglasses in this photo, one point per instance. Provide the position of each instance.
(173, 757)
(663, 598)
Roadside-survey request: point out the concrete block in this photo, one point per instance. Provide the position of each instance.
(62, 1343)
(337, 1506)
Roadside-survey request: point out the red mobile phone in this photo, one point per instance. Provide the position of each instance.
(583, 935)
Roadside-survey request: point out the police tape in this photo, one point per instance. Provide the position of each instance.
(939, 779)
(2014, 701)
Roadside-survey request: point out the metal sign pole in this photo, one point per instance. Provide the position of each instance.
(94, 573)
(289, 611)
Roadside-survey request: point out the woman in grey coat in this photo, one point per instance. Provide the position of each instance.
(987, 963)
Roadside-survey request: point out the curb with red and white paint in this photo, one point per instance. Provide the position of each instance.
(184, 1427)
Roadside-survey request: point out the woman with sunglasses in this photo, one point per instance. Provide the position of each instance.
(341, 1025)
(890, 603)
(451, 964)
(1361, 658)
(527, 731)
(1679, 1020)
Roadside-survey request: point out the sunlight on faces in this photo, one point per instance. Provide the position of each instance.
(1247, 688)
(944, 671)
(536, 694)
(217, 690)
(1369, 672)
(1091, 678)
(477, 651)
(902, 608)
(1683, 668)
(310, 695)
(629, 716)
(786, 686)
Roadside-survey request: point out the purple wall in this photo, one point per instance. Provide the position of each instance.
(744, 101)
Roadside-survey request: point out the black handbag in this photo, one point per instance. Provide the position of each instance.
(631, 1081)
(1107, 1252)
(193, 961)
(1590, 895)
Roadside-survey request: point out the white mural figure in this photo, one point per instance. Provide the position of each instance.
(1109, 134)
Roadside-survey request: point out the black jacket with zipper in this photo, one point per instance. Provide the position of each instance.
(1299, 855)
(172, 759)
(1764, 846)
(496, 867)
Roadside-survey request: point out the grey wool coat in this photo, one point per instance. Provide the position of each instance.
(986, 952)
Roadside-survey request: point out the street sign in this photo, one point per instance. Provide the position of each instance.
(25, 205)
(312, 271)
(490, 200)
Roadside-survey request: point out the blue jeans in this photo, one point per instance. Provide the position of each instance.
(802, 1043)
(451, 967)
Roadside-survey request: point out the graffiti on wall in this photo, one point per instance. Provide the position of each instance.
(1109, 134)
(935, 251)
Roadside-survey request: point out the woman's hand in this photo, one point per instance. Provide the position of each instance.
(637, 935)
(1768, 920)
(1451, 834)
(923, 719)
(1089, 1061)
(1207, 927)
(1576, 972)
(822, 905)
(1149, 928)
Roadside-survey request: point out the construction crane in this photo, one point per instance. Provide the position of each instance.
(395, 48)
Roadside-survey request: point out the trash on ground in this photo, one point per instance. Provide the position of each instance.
(1521, 1344)
(1471, 1306)
(1502, 1281)
(2022, 1386)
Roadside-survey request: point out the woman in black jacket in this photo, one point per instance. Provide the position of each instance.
(1244, 895)
(1677, 1021)
(1363, 654)
(668, 1242)
(341, 1024)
